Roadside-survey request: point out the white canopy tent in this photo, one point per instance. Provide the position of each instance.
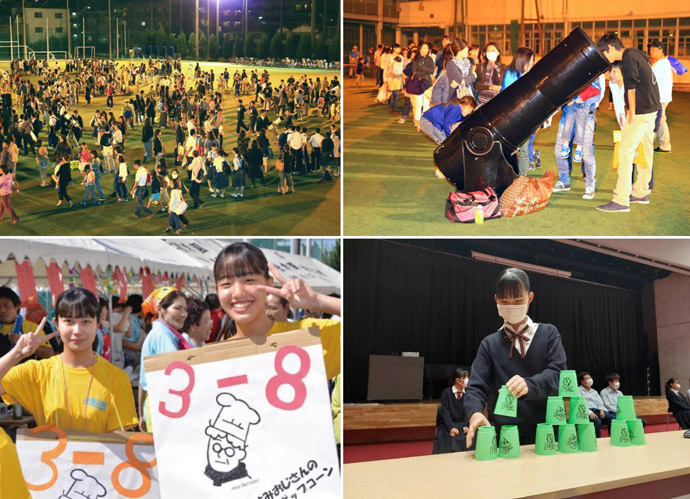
(191, 258)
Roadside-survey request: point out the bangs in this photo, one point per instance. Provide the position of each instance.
(77, 303)
(512, 283)
(239, 260)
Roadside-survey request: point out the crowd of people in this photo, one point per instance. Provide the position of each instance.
(441, 85)
(90, 334)
(157, 95)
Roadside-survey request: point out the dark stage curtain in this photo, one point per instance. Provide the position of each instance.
(405, 298)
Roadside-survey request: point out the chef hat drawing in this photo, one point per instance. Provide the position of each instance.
(84, 485)
(234, 419)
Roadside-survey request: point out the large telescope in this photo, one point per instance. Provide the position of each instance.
(480, 153)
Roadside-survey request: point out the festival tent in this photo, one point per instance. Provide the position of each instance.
(320, 276)
(112, 266)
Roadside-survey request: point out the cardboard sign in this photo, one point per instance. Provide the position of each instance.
(251, 417)
(78, 464)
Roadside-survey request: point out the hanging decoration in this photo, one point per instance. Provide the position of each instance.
(88, 280)
(57, 286)
(146, 281)
(26, 282)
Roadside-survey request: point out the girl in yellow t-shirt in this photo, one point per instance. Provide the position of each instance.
(243, 281)
(77, 390)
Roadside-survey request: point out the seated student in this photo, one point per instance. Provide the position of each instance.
(597, 413)
(610, 395)
(677, 404)
(450, 434)
(438, 120)
(78, 389)
(12, 325)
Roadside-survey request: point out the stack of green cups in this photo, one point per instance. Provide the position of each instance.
(545, 443)
(555, 411)
(620, 435)
(486, 444)
(567, 385)
(586, 437)
(626, 408)
(509, 443)
(506, 405)
(567, 439)
(636, 432)
(579, 414)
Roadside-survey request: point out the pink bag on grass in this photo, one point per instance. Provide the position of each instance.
(461, 206)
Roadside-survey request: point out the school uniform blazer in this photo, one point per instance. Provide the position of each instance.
(453, 416)
(492, 367)
(680, 407)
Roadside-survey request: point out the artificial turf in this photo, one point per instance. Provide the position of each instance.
(390, 188)
(313, 210)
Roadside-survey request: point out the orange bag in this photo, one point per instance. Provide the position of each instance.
(527, 195)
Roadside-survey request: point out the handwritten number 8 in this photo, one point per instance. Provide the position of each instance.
(134, 462)
(285, 378)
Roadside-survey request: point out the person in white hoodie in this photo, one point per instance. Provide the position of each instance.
(664, 77)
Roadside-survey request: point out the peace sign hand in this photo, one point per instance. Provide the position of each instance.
(28, 343)
(295, 291)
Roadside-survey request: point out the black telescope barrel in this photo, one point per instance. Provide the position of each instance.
(516, 112)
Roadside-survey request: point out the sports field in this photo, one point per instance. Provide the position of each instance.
(390, 188)
(314, 209)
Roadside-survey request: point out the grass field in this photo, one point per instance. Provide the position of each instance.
(390, 188)
(313, 210)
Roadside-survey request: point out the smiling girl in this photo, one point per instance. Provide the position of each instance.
(524, 355)
(76, 390)
(243, 281)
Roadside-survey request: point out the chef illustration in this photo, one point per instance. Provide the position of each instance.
(84, 486)
(227, 443)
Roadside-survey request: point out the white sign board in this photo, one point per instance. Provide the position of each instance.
(77, 465)
(245, 418)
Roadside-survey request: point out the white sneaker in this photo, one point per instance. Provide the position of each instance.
(589, 193)
(560, 187)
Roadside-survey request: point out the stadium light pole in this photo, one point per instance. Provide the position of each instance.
(83, 36)
(217, 19)
(69, 30)
(110, 33)
(24, 27)
(196, 32)
(313, 25)
(208, 19)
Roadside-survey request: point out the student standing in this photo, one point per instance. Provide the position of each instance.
(524, 355)
(642, 102)
(63, 177)
(139, 190)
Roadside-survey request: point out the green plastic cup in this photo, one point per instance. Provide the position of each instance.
(567, 439)
(586, 438)
(555, 411)
(626, 408)
(506, 405)
(545, 443)
(636, 432)
(620, 435)
(486, 444)
(579, 414)
(567, 386)
(509, 442)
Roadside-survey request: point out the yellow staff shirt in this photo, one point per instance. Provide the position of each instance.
(12, 484)
(38, 386)
(27, 327)
(330, 339)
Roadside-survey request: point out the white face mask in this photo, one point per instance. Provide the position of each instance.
(616, 385)
(492, 56)
(513, 314)
(589, 382)
(466, 380)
